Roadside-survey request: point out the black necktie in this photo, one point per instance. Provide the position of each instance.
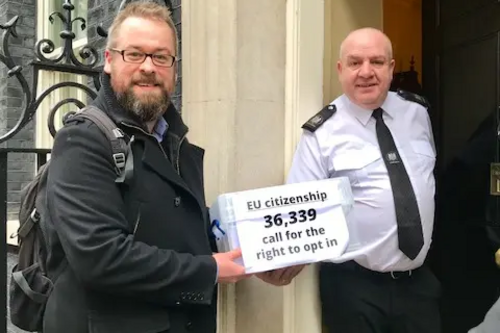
(410, 234)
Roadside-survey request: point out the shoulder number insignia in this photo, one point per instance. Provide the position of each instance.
(319, 118)
(412, 97)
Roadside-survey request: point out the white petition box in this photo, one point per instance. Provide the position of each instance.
(284, 225)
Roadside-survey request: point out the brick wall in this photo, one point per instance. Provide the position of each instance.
(103, 11)
(20, 166)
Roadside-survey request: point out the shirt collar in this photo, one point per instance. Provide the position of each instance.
(160, 129)
(363, 115)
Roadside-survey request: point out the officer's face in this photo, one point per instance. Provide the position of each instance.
(143, 88)
(365, 69)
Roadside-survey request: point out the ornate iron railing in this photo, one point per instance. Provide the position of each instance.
(65, 62)
(44, 60)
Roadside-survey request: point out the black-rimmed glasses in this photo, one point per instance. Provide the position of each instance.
(138, 57)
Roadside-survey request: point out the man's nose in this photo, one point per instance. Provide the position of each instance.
(147, 65)
(366, 69)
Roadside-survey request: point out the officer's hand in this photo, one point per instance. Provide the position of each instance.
(229, 271)
(282, 276)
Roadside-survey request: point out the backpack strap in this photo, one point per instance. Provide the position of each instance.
(122, 151)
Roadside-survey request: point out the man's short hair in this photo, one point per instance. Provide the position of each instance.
(142, 9)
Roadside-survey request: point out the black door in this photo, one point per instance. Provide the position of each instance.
(461, 48)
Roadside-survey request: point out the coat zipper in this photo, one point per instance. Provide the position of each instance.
(137, 220)
(178, 154)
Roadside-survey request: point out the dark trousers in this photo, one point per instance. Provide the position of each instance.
(357, 300)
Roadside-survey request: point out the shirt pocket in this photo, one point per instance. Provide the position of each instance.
(355, 164)
(424, 155)
(424, 148)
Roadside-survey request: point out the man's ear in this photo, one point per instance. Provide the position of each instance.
(392, 65)
(339, 67)
(107, 62)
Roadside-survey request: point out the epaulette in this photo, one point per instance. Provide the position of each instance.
(319, 118)
(412, 97)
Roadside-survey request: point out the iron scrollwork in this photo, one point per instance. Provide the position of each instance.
(65, 62)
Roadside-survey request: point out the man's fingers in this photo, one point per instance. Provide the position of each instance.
(241, 270)
(234, 254)
(283, 274)
(287, 274)
(291, 272)
(279, 274)
(272, 277)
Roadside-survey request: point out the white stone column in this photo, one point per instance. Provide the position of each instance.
(304, 98)
(233, 101)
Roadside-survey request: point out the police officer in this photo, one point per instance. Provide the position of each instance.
(382, 141)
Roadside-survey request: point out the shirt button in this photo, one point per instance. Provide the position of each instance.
(177, 201)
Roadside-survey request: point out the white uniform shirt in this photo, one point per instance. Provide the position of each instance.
(346, 145)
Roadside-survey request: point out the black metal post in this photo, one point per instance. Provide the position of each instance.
(3, 233)
(41, 159)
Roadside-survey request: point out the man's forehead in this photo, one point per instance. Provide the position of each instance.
(136, 26)
(366, 42)
(142, 24)
(369, 36)
(365, 50)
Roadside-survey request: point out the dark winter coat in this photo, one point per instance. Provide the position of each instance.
(139, 257)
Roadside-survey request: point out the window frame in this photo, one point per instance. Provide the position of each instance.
(46, 79)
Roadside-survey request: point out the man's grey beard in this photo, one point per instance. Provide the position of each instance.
(147, 110)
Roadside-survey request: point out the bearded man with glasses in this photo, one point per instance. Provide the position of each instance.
(136, 257)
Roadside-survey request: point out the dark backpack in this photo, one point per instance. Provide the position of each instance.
(30, 284)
